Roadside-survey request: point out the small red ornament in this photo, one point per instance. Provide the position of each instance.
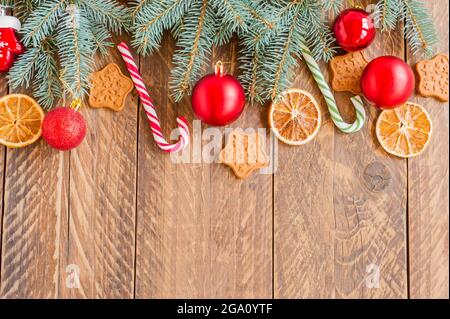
(218, 99)
(63, 128)
(9, 43)
(387, 82)
(354, 29)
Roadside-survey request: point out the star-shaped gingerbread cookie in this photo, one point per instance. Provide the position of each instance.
(244, 153)
(433, 77)
(346, 71)
(109, 88)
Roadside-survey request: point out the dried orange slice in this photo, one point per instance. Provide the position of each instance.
(404, 131)
(20, 120)
(295, 117)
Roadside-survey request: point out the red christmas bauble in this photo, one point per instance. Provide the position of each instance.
(387, 82)
(63, 128)
(354, 29)
(218, 99)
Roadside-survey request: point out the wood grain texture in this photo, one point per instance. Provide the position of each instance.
(201, 232)
(340, 207)
(369, 196)
(34, 221)
(103, 200)
(3, 91)
(428, 190)
(35, 212)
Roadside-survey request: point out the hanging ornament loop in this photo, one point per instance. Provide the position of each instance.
(218, 69)
(76, 105)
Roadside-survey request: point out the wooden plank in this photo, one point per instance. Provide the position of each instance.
(34, 221)
(3, 91)
(428, 190)
(201, 232)
(340, 208)
(103, 200)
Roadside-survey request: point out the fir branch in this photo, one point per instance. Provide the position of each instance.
(137, 5)
(315, 31)
(153, 18)
(267, 22)
(251, 60)
(76, 47)
(107, 13)
(281, 63)
(233, 17)
(258, 12)
(195, 43)
(101, 37)
(22, 70)
(233, 12)
(386, 14)
(332, 5)
(46, 85)
(62, 37)
(42, 22)
(419, 29)
(7, 3)
(269, 31)
(23, 8)
(178, 28)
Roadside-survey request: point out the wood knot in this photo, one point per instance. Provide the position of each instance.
(376, 177)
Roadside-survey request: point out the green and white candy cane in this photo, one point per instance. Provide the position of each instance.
(329, 98)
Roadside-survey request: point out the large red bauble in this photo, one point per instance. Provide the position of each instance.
(218, 99)
(387, 82)
(354, 29)
(63, 128)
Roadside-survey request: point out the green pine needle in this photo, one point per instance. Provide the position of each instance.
(21, 73)
(43, 22)
(386, 14)
(47, 85)
(76, 50)
(419, 28)
(194, 42)
(152, 17)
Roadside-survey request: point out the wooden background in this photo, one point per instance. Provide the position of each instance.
(138, 226)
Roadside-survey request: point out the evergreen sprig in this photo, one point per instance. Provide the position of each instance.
(76, 47)
(419, 29)
(152, 17)
(195, 41)
(62, 37)
(270, 33)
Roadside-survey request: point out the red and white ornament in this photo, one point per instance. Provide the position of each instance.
(218, 98)
(10, 45)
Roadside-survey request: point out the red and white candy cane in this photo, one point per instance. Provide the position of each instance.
(183, 129)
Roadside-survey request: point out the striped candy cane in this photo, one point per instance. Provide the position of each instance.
(329, 98)
(183, 129)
